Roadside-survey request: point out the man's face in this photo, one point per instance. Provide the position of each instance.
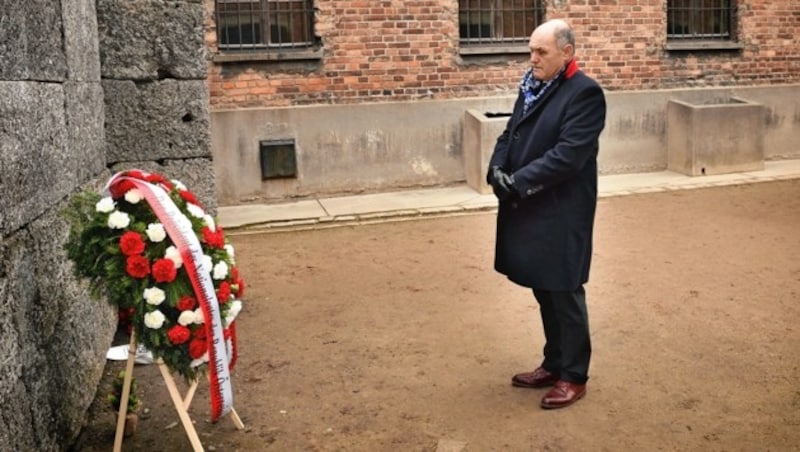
(547, 58)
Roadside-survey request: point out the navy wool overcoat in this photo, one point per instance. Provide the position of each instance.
(544, 235)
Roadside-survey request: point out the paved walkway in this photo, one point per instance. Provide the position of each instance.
(457, 200)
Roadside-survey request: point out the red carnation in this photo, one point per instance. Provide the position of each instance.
(214, 239)
(197, 348)
(155, 179)
(224, 292)
(121, 187)
(135, 174)
(186, 303)
(137, 266)
(131, 243)
(164, 270)
(178, 334)
(200, 334)
(188, 197)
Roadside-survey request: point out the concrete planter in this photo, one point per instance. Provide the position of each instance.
(715, 136)
(479, 136)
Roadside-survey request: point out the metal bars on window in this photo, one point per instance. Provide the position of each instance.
(264, 24)
(498, 21)
(701, 19)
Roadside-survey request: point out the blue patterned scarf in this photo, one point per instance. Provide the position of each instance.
(533, 89)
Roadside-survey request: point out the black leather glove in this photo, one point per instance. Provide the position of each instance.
(502, 184)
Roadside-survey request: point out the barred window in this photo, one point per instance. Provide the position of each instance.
(484, 22)
(264, 24)
(701, 20)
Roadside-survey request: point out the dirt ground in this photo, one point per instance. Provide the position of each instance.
(401, 337)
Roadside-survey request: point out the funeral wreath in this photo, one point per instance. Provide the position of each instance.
(128, 248)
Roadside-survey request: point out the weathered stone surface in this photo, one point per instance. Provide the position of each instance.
(37, 170)
(53, 342)
(151, 39)
(31, 46)
(80, 40)
(167, 119)
(196, 174)
(86, 146)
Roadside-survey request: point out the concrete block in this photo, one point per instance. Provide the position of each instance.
(80, 40)
(167, 119)
(151, 39)
(31, 43)
(480, 132)
(85, 129)
(715, 136)
(37, 170)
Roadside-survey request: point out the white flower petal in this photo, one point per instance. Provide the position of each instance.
(118, 220)
(195, 210)
(133, 196)
(105, 205)
(186, 318)
(154, 296)
(220, 270)
(199, 318)
(174, 255)
(210, 222)
(156, 232)
(154, 320)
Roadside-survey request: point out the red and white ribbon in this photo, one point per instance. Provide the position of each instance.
(179, 229)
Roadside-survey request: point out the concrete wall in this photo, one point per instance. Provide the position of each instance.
(54, 336)
(370, 147)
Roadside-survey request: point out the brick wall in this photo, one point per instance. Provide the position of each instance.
(398, 50)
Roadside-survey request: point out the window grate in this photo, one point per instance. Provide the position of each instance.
(498, 21)
(264, 24)
(701, 19)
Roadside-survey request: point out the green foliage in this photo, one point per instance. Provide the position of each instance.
(115, 396)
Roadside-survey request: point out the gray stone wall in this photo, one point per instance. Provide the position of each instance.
(86, 88)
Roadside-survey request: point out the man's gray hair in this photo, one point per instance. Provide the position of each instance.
(564, 36)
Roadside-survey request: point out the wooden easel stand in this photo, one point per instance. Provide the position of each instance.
(181, 403)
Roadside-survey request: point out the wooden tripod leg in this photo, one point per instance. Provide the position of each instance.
(126, 392)
(183, 413)
(237, 421)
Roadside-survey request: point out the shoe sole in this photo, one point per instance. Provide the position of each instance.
(519, 384)
(550, 406)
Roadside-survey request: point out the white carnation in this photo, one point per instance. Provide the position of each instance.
(235, 309)
(154, 319)
(210, 223)
(118, 220)
(174, 255)
(195, 210)
(186, 318)
(156, 232)
(178, 184)
(199, 318)
(154, 296)
(220, 270)
(229, 249)
(133, 196)
(105, 205)
(199, 361)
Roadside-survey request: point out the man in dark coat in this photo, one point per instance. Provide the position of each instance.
(544, 173)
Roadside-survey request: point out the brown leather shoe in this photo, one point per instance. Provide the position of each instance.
(563, 394)
(539, 378)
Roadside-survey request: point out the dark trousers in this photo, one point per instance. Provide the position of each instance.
(567, 348)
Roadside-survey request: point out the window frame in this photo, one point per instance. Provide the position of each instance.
(495, 44)
(702, 39)
(263, 15)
